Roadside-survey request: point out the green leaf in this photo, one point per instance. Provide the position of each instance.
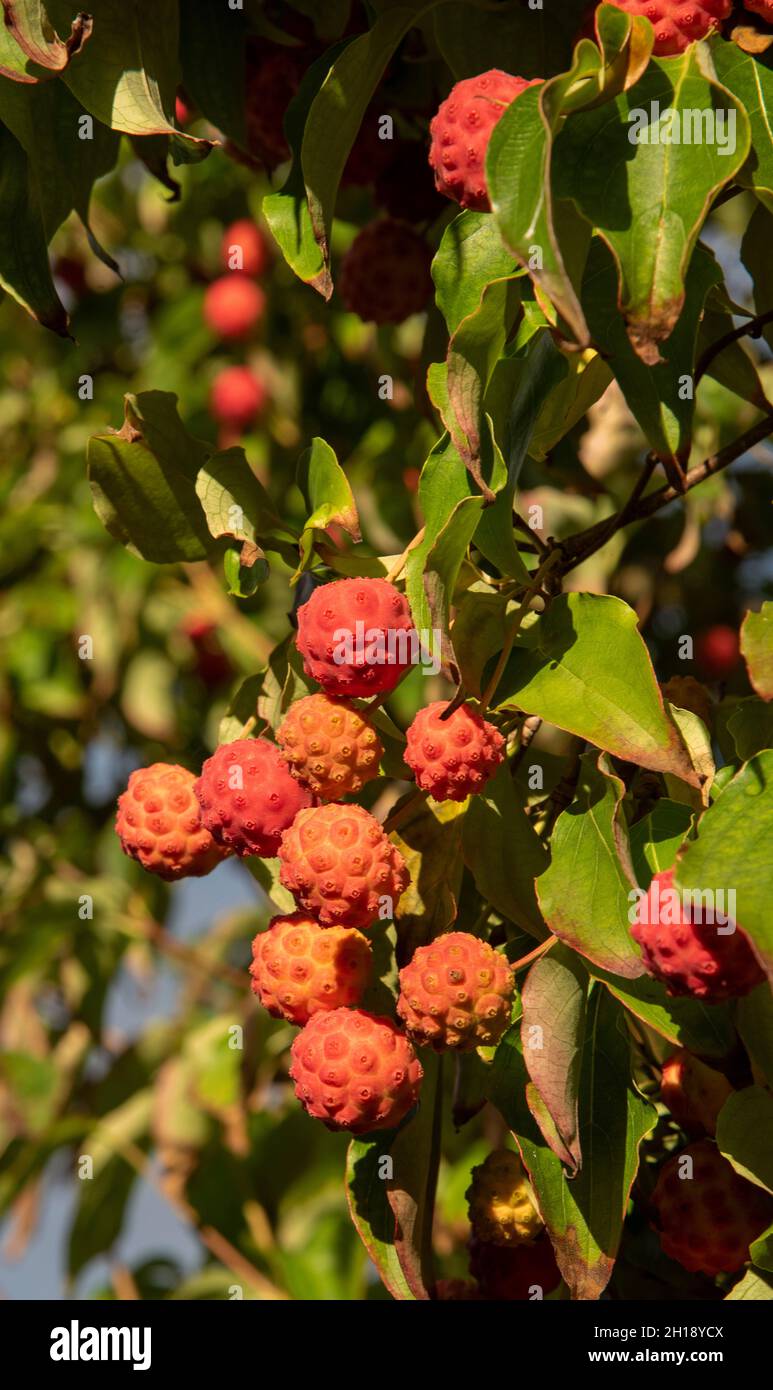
(703, 1028)
(143, 482)
(504, 854)
(480, 617)
(24, 269)
(754, 1019)
(650, 200)
(751, 81)
(585, 893)
(545, 370)
(757, 649)
(127, 75)
(45, 120)
(30, 49)
(245, 570)
(585, 1216)
(755, 254)
(469, 259)
(655, 839)
(753, 1287)
(751, 727)
(335, 117)
(287, 211)
(445, 483)
(554, 999)
(371, 1213)
(585, 667)
(545, 232)
(728, 854)
(214, 1066)
(329, 497)
(411, 1189)
(237, 507)
(744, 1130)
(430, 841)
(733, 368)
(656, 391)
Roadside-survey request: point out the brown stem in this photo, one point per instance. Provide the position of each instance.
(752, 329)
(535, 954)
(577, 548)
(399, 564)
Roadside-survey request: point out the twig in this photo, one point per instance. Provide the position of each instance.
(527, 530)
(529, 730)
(585, 543)
(752, 329)
(534, 955)
(399, 564)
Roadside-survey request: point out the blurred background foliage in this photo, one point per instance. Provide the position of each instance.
(115, 989)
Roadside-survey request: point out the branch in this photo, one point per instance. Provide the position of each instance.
(585, 543)
(752, 329)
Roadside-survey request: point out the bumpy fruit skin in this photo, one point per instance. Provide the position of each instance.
(374, 618)
(385, 275)
(244, 242)
(717, 651)
(761, 7)
(452, 758)
(462, 129)
(237, 397)
(678, 23)
(330, 746)
(691, 957)
(688, 693)
(233, 305)
(355, 1071)
(693, 1092)
(508, 1274)
(708, 1221)
(159, 824)
(501, 1207)
(251, 818)
(338, 863)
(455, 994)
(299, 968)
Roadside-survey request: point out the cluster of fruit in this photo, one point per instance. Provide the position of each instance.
(253, 797)
(510, 1253)
(706, 1215)
(234, 305)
